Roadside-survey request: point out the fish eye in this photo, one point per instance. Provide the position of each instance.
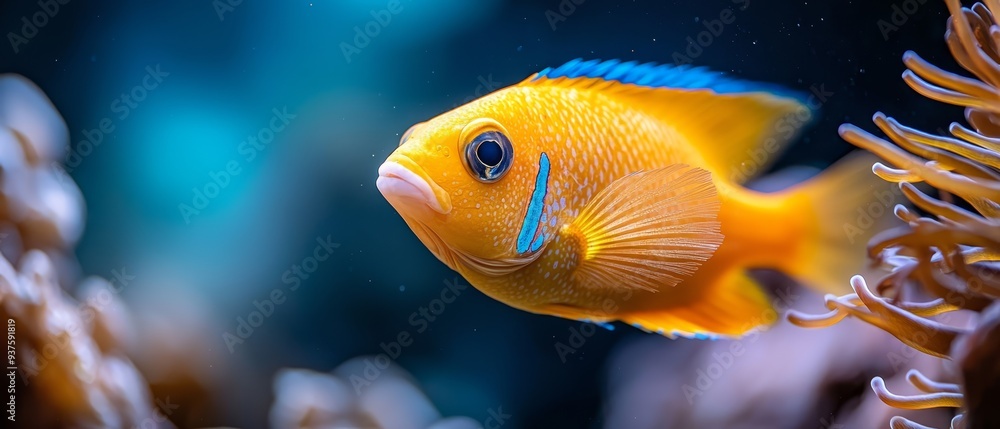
(489, 156)
(409, 131)
(489, 153)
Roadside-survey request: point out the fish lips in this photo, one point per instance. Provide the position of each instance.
(402, 180)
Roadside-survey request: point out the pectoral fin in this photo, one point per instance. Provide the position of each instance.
(648, 230)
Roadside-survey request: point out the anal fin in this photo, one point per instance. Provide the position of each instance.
(730, 308)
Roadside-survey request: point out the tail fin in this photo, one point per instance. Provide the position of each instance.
(849, 204)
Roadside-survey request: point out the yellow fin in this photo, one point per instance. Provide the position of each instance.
(648, 230)
(567, 311)
(739, 126)
(739, 135)
(847, 204)
(730, 308)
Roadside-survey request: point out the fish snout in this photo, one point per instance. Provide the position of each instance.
(402, 180)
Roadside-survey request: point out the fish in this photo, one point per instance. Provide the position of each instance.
(610, 191)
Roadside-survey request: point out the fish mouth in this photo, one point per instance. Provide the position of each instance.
(401, 179)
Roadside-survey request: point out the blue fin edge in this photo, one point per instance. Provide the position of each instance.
(655, 75)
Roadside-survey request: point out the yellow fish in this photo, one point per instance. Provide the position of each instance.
(606, 191)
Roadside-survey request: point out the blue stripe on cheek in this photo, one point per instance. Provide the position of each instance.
(529, 226)
(538, 242)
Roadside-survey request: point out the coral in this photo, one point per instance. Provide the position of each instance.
(38, 203)
(69, 353)
(951, 252)
(313, 400)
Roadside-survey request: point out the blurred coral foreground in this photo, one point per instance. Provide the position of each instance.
(308, 399)
(71, 367)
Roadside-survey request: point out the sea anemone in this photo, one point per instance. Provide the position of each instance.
(951, 251)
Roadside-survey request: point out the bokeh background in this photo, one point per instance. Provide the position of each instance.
(228, 66)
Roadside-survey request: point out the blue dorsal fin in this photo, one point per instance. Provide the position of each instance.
(653, 75)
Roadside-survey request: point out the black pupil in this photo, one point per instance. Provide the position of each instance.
(490, 153)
